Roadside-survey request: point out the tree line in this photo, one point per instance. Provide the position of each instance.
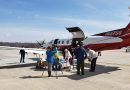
(20, 44)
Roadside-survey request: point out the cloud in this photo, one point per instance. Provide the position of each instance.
(110, 24)
(24, 34)
(31, 34)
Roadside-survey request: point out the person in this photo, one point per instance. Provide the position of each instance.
(71, 50)
(68, 58)
(63, 51)
(22, 52)
(41, 62)
(56, 63)
(50, 59)
(81, 55)
(92, 58)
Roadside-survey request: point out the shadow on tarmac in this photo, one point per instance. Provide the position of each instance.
(29, 77)
(100, 69)
(18, 66)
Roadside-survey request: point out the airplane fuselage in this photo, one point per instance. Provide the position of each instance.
(97, 43)
(115, 39)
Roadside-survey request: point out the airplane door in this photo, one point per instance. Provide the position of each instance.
(77, 33)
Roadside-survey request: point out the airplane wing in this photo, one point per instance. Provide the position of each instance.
(40, 54)
(35, 51)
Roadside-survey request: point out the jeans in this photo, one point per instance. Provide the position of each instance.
(80, 65)
(93, 64)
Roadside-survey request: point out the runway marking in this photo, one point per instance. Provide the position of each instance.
(115, 64)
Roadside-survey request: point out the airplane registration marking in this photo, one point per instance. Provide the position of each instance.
(114, 33)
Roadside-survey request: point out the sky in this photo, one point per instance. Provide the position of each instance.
(31, 20)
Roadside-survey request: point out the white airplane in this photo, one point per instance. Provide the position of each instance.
(114, 39)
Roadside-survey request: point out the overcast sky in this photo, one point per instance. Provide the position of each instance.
(31, 20)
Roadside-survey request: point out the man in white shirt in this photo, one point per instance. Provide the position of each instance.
(92, 58)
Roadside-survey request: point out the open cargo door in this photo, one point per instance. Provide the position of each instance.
(77, 33)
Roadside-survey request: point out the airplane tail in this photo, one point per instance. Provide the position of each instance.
(116, 33)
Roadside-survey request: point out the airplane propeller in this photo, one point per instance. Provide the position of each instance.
(41, 43)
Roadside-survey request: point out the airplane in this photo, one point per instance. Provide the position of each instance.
(115, 39)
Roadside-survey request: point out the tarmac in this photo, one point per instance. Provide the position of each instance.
(112, 73)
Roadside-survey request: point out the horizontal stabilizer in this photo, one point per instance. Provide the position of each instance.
(116, 33)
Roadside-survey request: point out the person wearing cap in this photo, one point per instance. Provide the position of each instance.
(81, 55)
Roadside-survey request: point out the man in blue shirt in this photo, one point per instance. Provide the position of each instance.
(80, 54)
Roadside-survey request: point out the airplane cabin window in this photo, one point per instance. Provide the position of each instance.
(62, 42)
(58, 42)
(67, 41)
